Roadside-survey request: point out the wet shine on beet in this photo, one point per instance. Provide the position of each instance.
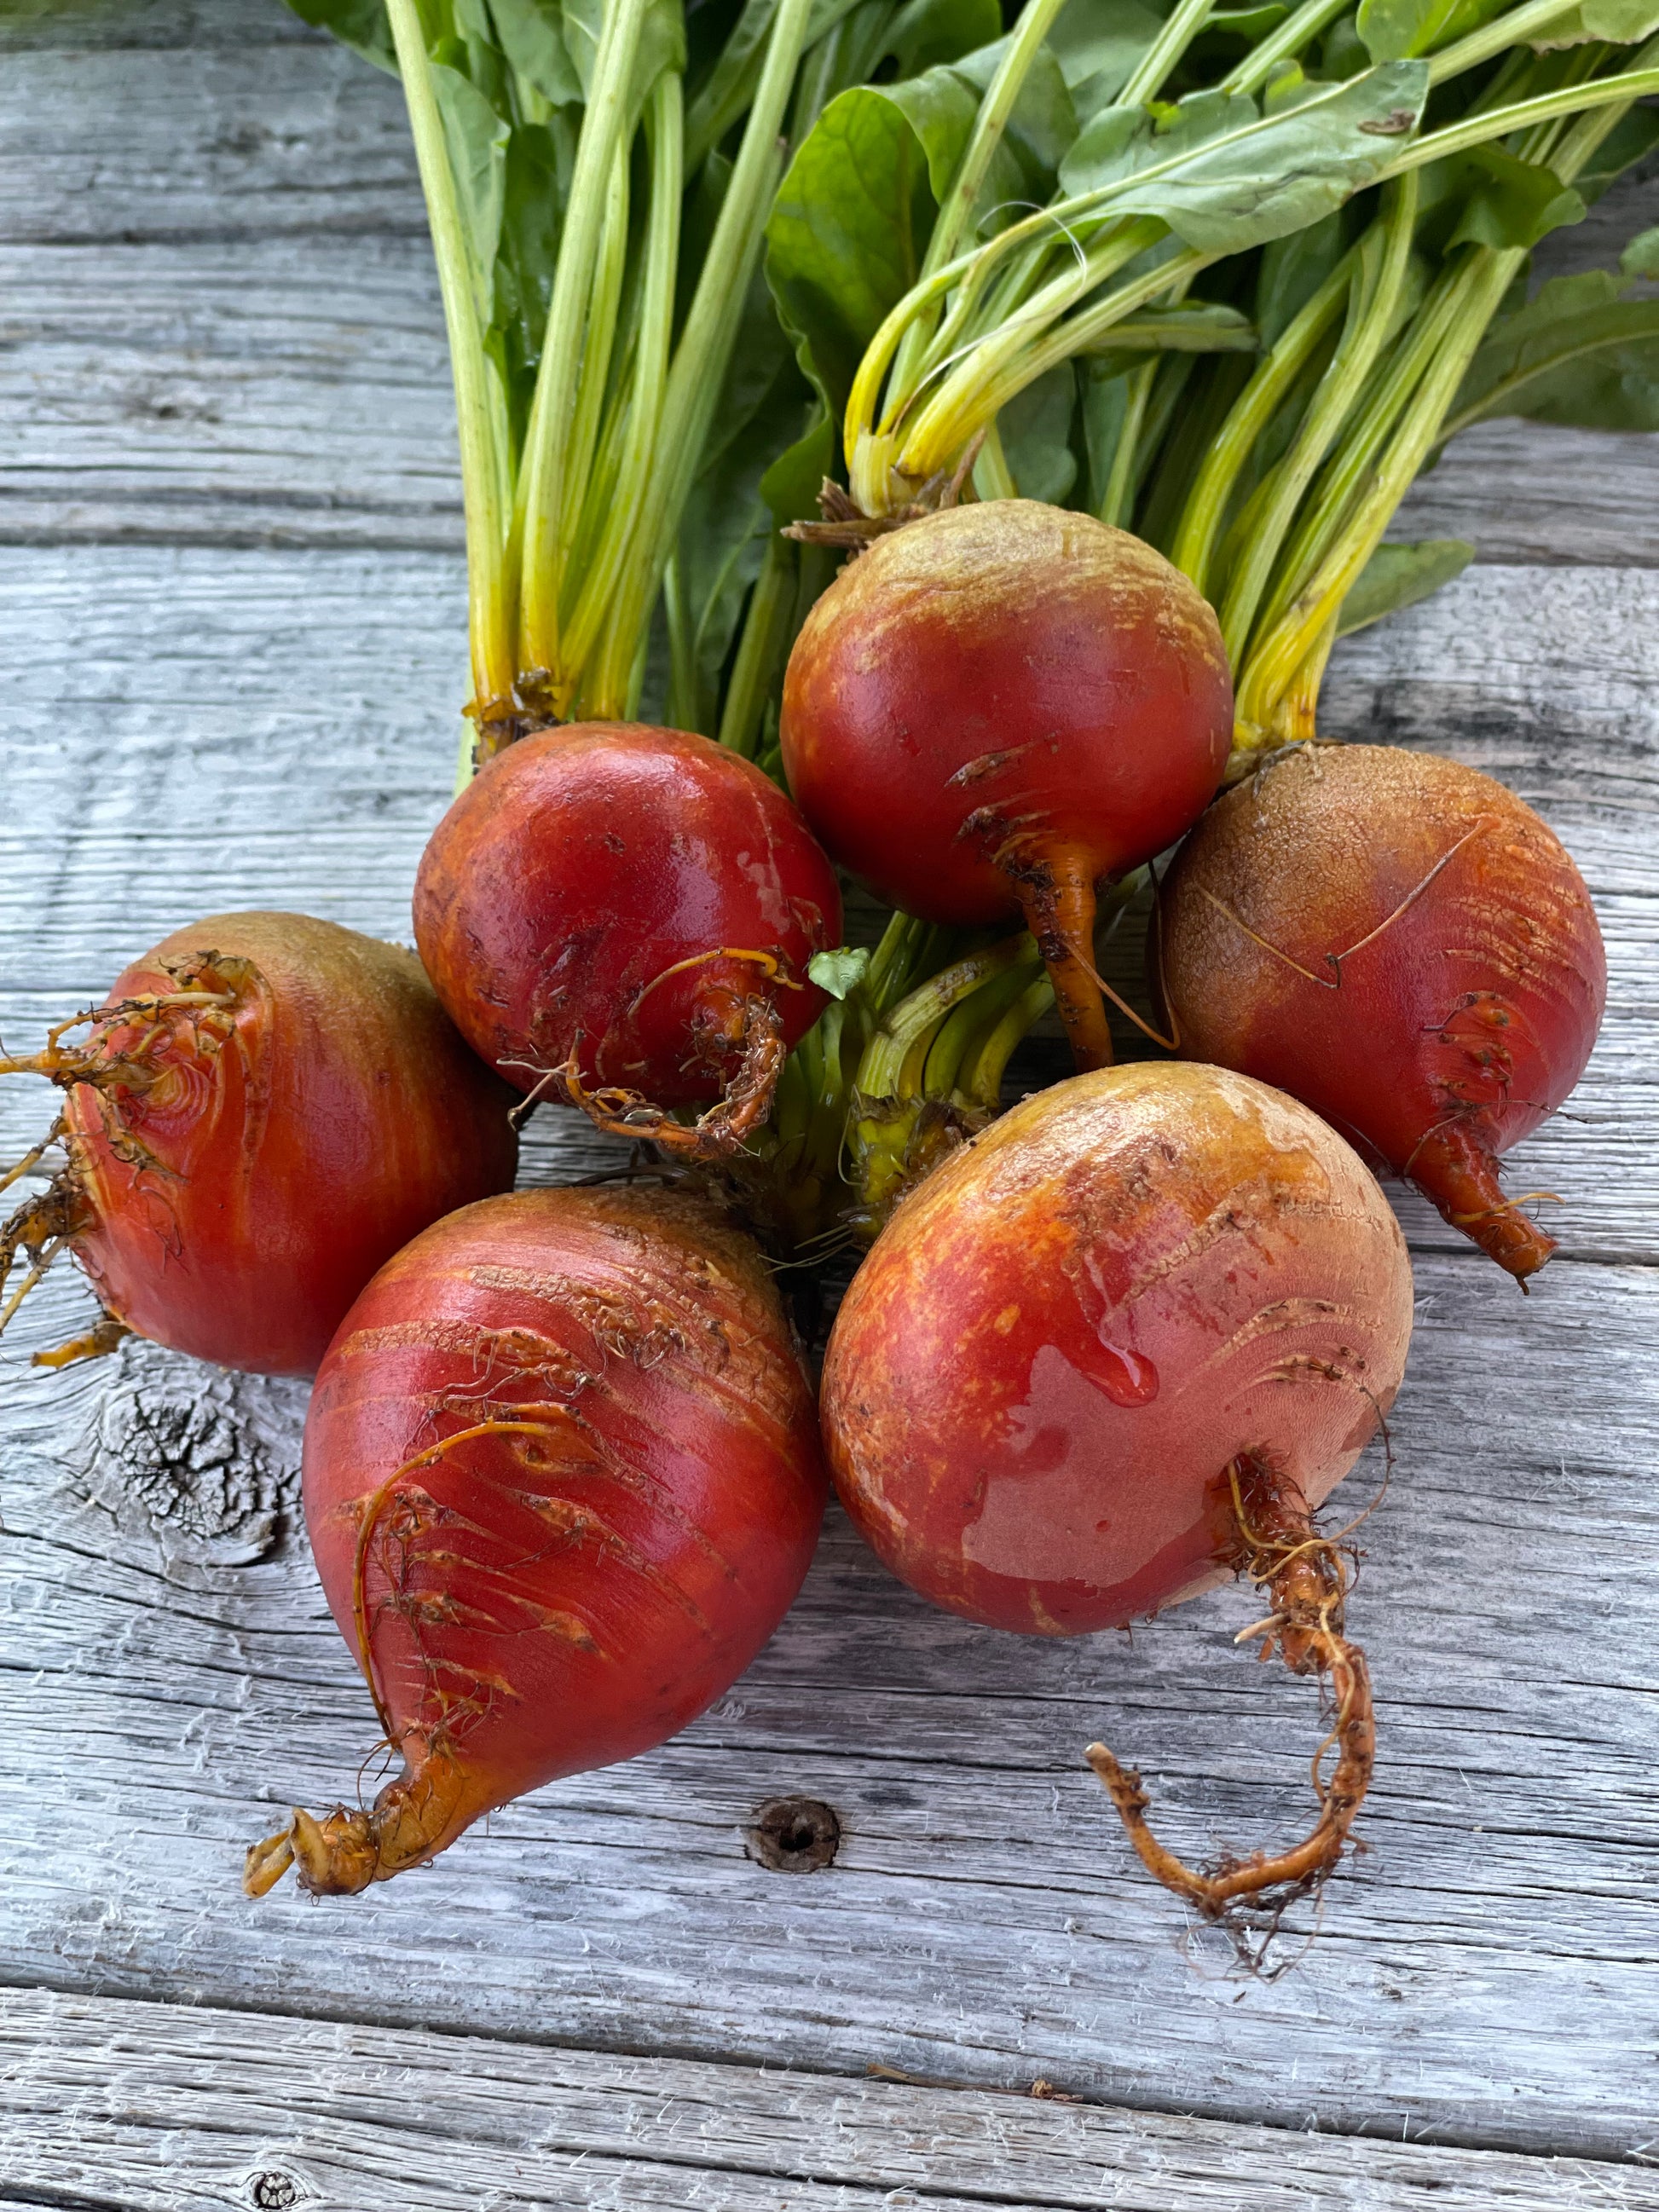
(1117, 1349)
(1402, 942)
(623, 916)
(996, 708)
(562, 1480)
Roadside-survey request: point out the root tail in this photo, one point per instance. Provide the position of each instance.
(751, 1025)
(409, 1822)
(1460, 1176)
(1058, 898)
(1305, 1579)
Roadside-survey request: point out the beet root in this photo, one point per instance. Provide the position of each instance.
(1114, 1351)
(998, 706)
(624, 916)
(563, 1479)
(1400, 942)
(264, 1110)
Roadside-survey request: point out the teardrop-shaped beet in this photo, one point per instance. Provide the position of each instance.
(1402, 942)
(997, 708)
(561, 1480)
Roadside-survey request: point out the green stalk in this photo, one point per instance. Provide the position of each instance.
(1379, 275)
(665, 127)
(1349, 469)
(610, 273)
(765, 633)
(950, 420)
(957, 212)
(969, 1022)
(1275, 662)
(1512, 29)
(700, 358)
(546, 487)
(963, 402)
(1117, 505)
(1257, 405)
(1303, 24)
(1182, 27)
(480, 418)
(1498, 122)
(980, 1078)
(919, 1014)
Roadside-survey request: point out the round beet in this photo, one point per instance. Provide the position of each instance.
(624, 916)
(264, 1110)
(562, 1480)
(1115, 1350)
(998, 707)
(1402, 942)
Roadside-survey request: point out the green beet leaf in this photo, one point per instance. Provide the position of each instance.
(1097, 44)
(1582, 353)
(1225, 182)
(476, 137)
(359, 24)
(531, 36)
(1399, 576)
(1622, 22)
(1512, 203)
(847, 234)
(1399, 30)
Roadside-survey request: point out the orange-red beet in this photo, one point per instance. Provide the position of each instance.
(997, 708)
(1400, 941)
(1115, 1350)
(561, 1480)
(267, 1107)
(619, 910)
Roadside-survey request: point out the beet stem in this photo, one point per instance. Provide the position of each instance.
(1305, 1578)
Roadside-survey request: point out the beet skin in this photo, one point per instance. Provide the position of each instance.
(619, 910)
(1400, 942)
(271, 1106)
(997, 708)
(562, 1480)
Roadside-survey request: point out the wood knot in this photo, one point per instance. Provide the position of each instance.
(793, 1835)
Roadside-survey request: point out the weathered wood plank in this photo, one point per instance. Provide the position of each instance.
(285, 391)
(1486, 1974)
(261, 134)
(135, 2101)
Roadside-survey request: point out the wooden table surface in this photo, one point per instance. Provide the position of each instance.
(230, 658)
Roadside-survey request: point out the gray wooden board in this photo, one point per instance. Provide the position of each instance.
(173, 2107)
(221, 339)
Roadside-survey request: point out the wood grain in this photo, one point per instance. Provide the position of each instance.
(359, 2117)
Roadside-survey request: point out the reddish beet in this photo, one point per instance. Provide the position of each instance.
(1403, 943)
(998, 707)
(265, 1108)
(562, 1480)
(625, 916)
(1114, 1351)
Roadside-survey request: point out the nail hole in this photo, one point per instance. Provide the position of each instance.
(274, 2191)
(792, 1835)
